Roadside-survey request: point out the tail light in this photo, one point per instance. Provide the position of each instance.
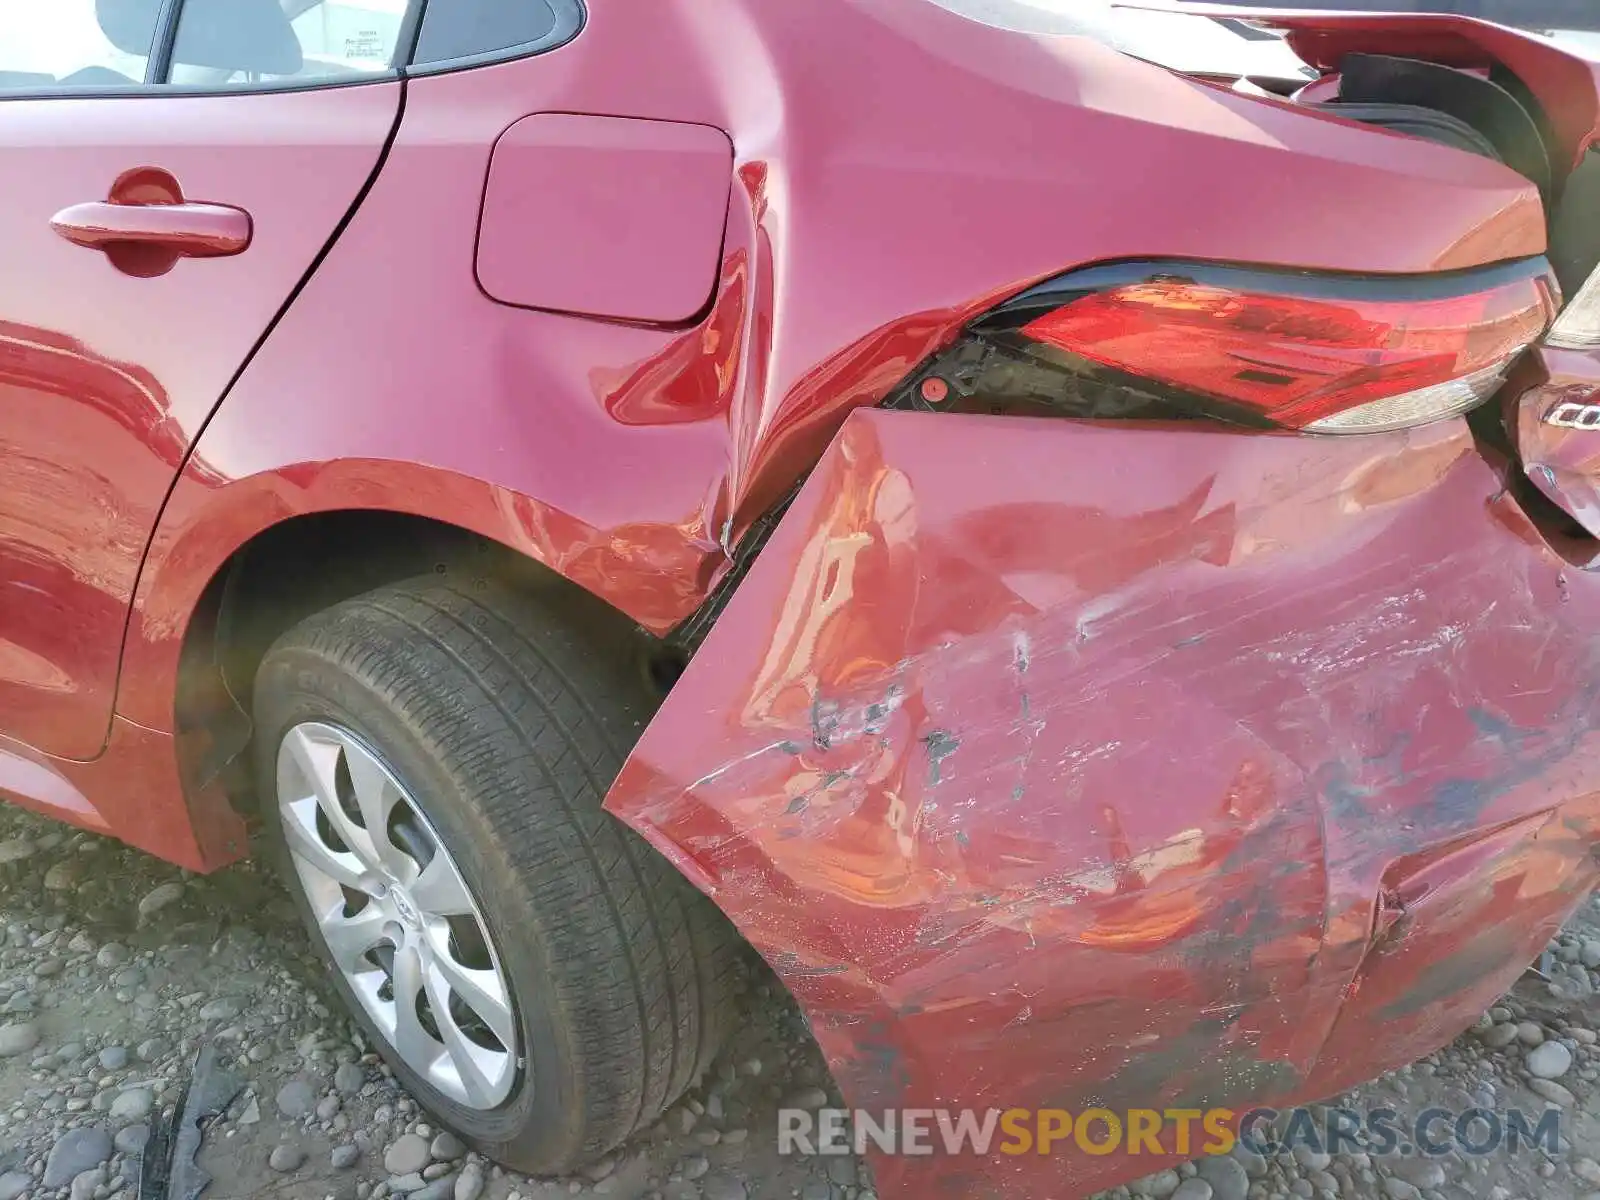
(1318, 353)
(1578, 326)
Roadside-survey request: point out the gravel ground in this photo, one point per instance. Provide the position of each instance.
(114, 970)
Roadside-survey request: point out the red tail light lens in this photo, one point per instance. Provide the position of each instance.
(1303, 352)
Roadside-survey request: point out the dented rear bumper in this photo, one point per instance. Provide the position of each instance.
(1068, 765)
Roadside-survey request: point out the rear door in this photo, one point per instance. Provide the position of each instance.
(172, 172)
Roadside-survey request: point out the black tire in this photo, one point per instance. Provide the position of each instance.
(509, 716)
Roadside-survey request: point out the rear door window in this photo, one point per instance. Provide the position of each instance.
(249, 43)
(66, 45)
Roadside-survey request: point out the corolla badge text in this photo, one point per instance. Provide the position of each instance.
(1574, 416)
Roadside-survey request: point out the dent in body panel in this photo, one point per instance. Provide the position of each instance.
(1084, 792)
(646, 452)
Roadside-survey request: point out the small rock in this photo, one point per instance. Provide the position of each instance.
(1424, 1174)
(1254, 1164)
(157, 899)
(14, 1183)
(250, 1114)
(407, 1155)
(1159, 1185)
(328, 1108)
(412, 1181)
(344, 1157)
(1226, 1175)
(1549, 1060)
(695, 1166)
(722, 1187)
(1193, 1189)
(114, 1058)
(447, 1147)
(130, 1139)
(15, 850)
(286, 1158)
(224, 1009)
(1310, 1159)
(1398, 1189)
(18, 1038)
(133, 1105)
(349, 1078)
(296, 1099)
(1529, 1033)
(76, 1151)
(149, 1050)
(85, 1183)
(62, 877)
(1500, 1036)
(1589, 953)
(469, 1186)
(111, 956)
(807, 1098)
(442, 1188)
(1552, 1091)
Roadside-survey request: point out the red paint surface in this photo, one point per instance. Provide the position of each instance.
(106, 375)
(1062, 765)
(1013, 720)
(631, 458)
(605, 216)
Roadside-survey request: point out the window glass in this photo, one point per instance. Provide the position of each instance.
(453, 29)
(64, 44)
(244, 43)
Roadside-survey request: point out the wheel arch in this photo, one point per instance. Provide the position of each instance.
(233, 567)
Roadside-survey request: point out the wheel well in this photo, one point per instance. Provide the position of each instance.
(285, 574)
(309, 563)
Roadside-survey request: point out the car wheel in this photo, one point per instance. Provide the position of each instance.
(432, 758)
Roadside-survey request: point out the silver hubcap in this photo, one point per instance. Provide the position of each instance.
(397, 916)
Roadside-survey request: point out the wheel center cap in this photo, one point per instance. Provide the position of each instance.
(405, 908)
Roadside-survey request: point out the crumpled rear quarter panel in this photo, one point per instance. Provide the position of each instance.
(1065, 765)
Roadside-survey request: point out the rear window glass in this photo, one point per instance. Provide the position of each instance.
(246, 43)
(467, 29)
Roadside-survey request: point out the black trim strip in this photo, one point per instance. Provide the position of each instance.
(405, 47)
(1311, 285)
(160, 62)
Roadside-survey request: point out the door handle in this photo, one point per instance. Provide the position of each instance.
(185, 228)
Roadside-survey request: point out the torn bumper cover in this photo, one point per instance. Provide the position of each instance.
(1067, 765)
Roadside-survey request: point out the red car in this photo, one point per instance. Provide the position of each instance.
(1085, 568)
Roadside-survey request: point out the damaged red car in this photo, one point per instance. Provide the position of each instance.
(1082, 562)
